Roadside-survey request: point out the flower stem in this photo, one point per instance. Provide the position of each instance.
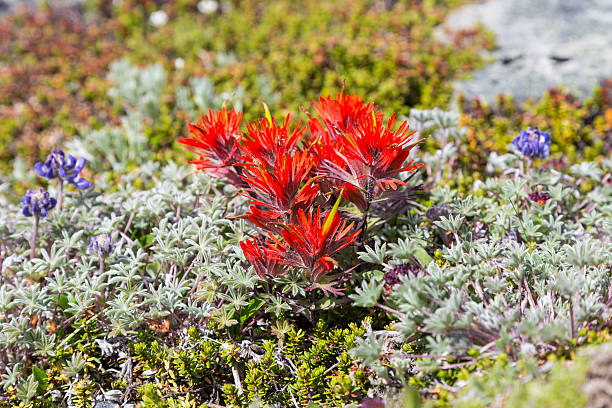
(364, 227)
(60, 196)
(529, 166)
(368, 197)
(390, 310)
(34, 237)
(572, 318)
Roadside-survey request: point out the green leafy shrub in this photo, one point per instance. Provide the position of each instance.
(386, 51)
(281, 52)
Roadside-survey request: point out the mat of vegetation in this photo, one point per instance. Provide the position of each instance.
(54, 61)
(325, 264)
(353, 253)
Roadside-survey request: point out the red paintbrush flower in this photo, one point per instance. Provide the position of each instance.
(284, 187)
(381, 149)
(370, 159)
(214, 140)
(343, 113)
(269, 220)
(265, 142)
(258, 254)
(308, 241)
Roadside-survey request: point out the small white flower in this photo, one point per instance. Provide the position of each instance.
(158, 18)
(208, 6)
(179, 63)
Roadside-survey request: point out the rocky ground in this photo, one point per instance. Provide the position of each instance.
(541, 43)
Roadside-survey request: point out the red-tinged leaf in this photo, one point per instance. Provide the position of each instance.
(355, 196)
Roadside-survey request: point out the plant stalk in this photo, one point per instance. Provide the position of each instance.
(101, 269)
(34, 236)
(389, 310)
(572, 318)
(60, 196)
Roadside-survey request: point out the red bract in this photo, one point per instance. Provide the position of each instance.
(325, 148)
(284, 187)
(343, 113)
(370, 158)
(338, 116)
(268, 220)
(310, 241)
(265, 142)
(214, 140)
(258, 254)
(381, 149)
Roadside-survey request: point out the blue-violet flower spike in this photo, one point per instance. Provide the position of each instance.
(533, 143)
(101, 245)
(37, 203)
(65, 168)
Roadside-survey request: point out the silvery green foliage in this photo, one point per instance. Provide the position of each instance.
(443, 125)
(116, 148)
(138, 88)
(444, 128)
(513, 276)
(202, 96)
(123, 147)
(176, 258)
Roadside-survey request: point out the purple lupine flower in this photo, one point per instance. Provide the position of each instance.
(509, 240)
(37, 203)
(533, 143)
(57, 165)
(101, 245)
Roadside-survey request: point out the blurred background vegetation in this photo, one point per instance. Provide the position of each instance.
(55, 60)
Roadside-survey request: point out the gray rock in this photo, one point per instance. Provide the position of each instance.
(106, 404)
(542, 43)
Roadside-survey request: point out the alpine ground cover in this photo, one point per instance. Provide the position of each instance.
(336, 255)
(305, 267)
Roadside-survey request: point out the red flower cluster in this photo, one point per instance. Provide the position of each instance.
(295, 180)
(215, 142)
